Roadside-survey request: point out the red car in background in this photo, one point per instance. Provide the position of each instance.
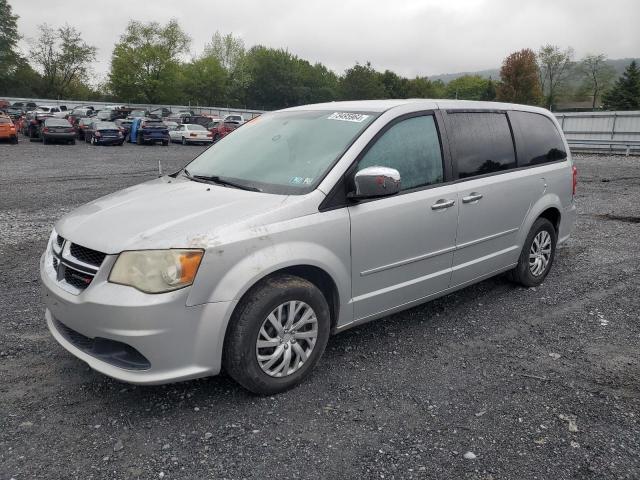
(222, 129)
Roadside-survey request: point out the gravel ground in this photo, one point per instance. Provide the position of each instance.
(537, 383)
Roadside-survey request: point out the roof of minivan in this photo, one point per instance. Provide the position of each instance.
(420, 104)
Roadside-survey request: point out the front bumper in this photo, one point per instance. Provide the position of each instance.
(179, 342)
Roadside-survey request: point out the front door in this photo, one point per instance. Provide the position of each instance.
(402, 246)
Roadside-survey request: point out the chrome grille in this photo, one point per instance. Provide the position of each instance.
(75, 265)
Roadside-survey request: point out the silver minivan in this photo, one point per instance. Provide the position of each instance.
(302, 223)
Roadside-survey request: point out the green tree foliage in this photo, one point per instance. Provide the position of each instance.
(555, 67)
(63, 58)
(422, 87)
(625, 94)
(467, 87)
(597, 76)
(145, 64)
(362, 82)
(204, 81)
(520, 79)
(8, 42)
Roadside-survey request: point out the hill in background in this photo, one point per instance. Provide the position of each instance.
(619, 64)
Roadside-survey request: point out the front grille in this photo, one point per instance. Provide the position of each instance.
(75, 266)
(110, 351)
(86, 255)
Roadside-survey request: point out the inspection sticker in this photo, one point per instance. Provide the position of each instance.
(348, 117)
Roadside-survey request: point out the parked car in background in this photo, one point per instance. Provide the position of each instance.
(54, 130)
(81, 125)
(8, 131)
(239, 119)
(124, 124)
(32, 122)
(138, 114)
(162, 112)
(194, 134)
(223, 129)
(15, 112)
(30, 106)
(4, 104)
(106, 115)
(49, 109)
(170, 125)
(203, 120)
(148, 130)
(104, 133)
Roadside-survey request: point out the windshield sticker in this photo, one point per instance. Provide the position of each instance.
(301, 181)
(348, 117)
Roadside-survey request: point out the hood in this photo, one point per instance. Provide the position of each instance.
(162, 213)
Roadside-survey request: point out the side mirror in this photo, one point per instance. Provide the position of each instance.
(376, 182)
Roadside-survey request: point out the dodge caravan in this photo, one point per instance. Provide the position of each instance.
(303, 223)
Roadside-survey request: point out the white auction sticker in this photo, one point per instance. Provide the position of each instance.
(348, 117)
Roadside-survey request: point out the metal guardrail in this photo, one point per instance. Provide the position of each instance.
(611, 132)
(586, 144)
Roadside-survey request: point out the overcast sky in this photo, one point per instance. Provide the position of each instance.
(410, 37)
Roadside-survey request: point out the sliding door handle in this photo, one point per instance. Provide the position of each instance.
(442, 204)
(472, 197)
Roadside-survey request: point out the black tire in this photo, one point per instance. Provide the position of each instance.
(44, 140)
(73, 142)
(522, 273)
(14, 140)
(139, 139)
(165, 143)
(239, 353)
(184, 141)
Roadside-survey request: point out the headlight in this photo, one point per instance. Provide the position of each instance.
(156, 271)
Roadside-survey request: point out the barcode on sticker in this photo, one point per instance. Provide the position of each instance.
(348, 117)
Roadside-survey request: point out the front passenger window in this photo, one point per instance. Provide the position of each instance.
(412, 147)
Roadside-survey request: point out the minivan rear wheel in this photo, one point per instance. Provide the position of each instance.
(277, 334)
(537, 254)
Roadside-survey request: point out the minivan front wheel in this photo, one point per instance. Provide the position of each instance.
(537, 254)
(277, 334)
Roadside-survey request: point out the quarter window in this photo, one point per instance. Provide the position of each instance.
(481, 143)
(412, 147)
(538, 140)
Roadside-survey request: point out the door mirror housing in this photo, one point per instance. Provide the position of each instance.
(374, 182)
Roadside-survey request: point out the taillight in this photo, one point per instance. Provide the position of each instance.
(574, 171)
(97, 134)
(193, 134)
(45, 129)
(209, 134)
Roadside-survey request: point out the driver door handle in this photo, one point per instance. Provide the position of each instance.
(442, 204)
(472, 197)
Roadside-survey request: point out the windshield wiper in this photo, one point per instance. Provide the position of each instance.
(219, 181)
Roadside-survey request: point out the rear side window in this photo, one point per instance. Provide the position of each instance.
(412, 147)
(537, 139)
(481, 143)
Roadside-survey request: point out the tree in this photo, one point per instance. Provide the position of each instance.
(625, 94)
(597, 76)
(228, 49)
(204, 81)
(519, 79)
(362, 82)
(62, 57)
(555, 67)
(422, 87)
(467, 87)
(8, 42)
(395, 86)
(490, 93)
(145, 63)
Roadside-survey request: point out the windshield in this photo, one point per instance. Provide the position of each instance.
(283, 152)
(195, 127)
(5, 120)
(106, 126)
